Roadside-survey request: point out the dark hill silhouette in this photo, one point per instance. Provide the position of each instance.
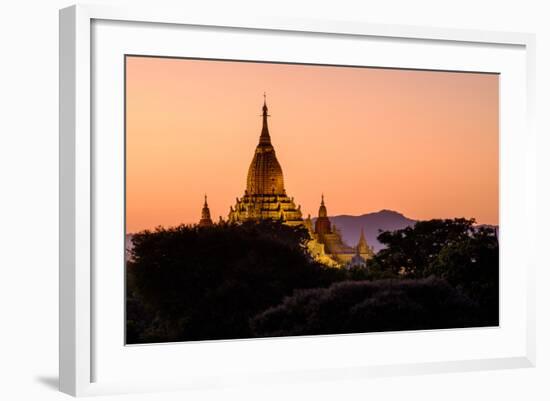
(385, 220)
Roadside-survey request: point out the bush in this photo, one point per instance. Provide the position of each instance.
(369, 306)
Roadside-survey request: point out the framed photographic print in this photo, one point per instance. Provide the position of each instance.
(249, 201)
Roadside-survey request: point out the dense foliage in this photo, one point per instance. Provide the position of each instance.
(465, 255)
(369, 306)
(237, 281)
(410, 251)
(206, 283)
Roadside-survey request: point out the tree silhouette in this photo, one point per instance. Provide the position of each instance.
(258, 279)
(206, 283)
(411, 250)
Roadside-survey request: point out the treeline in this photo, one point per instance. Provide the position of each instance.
(257, 279)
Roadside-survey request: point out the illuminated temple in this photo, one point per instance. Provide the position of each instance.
(327, 241)
(265, 198)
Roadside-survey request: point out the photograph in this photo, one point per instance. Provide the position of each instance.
(271, 199)
(217, 200)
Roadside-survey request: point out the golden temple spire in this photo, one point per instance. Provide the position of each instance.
(264, 137)
(265, 197)
(362, 246)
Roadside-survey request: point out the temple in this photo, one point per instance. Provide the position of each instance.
(328, 241)
(265, 196)
(205, 220)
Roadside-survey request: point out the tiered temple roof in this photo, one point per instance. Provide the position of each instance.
(265, 196)
(333, 245)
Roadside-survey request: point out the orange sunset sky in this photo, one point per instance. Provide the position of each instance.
(422, 143)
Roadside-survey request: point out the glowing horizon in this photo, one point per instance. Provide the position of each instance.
(422, 143)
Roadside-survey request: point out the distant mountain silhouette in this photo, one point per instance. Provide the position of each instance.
(372, 223)
(350, 227)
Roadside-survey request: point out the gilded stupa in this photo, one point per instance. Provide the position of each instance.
(265, 197)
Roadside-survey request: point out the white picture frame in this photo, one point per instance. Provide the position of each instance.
(78, 164)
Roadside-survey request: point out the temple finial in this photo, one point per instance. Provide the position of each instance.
(264, 108)
(322, 199)
(205, 215)
(264, 137)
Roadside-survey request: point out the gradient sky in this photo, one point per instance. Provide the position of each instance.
(419, 142)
